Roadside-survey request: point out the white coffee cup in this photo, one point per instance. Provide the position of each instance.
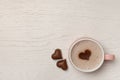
(104, 56)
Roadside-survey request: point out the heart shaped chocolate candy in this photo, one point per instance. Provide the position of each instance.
(57, 54)
(62, 64)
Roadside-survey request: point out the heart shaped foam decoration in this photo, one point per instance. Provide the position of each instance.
(85, 55)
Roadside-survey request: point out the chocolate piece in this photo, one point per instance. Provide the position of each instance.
(85, 55)
(57, 54)
(62, 64)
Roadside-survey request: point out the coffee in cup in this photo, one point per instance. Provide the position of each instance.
(87, 54)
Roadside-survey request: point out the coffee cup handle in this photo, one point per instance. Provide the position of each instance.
(109, 57)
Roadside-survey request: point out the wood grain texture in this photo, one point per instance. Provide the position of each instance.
(30, 30)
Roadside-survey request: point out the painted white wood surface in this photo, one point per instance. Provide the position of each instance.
(30, 30)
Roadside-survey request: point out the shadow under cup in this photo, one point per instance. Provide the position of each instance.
(94, 61)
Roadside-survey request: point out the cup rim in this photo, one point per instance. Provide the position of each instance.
(81, 39)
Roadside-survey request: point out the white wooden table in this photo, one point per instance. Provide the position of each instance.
(30, 30)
